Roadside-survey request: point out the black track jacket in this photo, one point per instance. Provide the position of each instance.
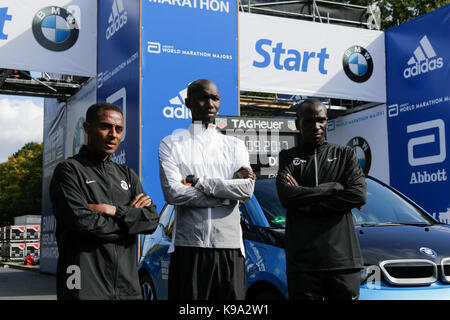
(320, 233)
(97, 253)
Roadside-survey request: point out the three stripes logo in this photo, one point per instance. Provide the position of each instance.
(423, 60)
(117, 19)
(177, 108)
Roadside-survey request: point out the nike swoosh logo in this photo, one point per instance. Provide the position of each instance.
(331, 160)
(90, 181)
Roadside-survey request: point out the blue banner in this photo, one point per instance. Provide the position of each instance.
(55, 117)
(183, 41)
(118, 70)
(418, 110)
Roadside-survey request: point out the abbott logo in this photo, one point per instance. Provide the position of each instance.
(153, 47)
(177, 108)
(393, 110)
(431, 138)
(423, 60)
(117, 19)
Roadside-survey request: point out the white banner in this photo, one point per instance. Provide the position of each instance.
(281, 55)
(366, 133)
(50, 36)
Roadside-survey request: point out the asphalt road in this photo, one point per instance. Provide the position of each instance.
(18, 284)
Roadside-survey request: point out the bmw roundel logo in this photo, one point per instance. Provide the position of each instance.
(55, 28)
(362, 151)
(358, 64)
(428, 252)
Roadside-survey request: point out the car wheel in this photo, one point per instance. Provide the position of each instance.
(147, 287)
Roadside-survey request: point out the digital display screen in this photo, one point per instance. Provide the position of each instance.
(264, 144)
(264, 139)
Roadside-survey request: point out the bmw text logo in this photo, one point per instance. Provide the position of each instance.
(358, 64)
(362, 151)
(55, 28)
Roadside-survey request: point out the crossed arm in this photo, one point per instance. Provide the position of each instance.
(204, 192)
(102, 221)
(330, 196)
(140, 201)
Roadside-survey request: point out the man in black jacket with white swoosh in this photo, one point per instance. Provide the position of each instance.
(99, 208)
(319, 183)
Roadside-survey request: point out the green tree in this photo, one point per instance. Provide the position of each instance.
(21, 183)
(395, 12)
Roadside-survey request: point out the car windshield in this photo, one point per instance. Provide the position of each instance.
(267, 196)
(383, 207)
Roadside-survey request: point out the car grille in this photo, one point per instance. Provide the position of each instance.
(445, 269)
(409, 272)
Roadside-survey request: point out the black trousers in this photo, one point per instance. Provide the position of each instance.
(206, 274)
(328, 285)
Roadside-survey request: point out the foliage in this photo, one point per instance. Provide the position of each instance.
(395, 12)
(21, 183)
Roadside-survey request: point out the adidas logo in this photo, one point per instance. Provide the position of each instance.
(177, 108)
(117, 19)
(424, 59)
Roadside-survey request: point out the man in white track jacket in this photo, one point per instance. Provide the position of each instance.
(205, 174)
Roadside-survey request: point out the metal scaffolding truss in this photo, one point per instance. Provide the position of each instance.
(269, 105)
(47, 86)
(317, 11)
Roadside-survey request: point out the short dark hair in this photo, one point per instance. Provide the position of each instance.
(196, 85)
(92, 111)
(310, 101)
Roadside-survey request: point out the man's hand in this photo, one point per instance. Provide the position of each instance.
(244, 173)
(191, 183)
(103, 208)
(291, 181)
(141, 201)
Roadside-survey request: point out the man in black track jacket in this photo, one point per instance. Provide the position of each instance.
(99, 207)
(319, 183)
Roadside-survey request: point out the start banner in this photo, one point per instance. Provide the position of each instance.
(313, 59)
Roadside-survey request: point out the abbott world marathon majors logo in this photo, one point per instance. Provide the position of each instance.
(423, 60)
(117, 19)
(176, 108)
(56, 28)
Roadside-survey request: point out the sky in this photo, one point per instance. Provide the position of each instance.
(21, 121)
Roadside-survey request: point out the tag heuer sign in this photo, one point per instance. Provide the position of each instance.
(221, 123)
(258, 124)
(291, 125)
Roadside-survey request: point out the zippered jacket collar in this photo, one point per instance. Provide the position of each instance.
(310, 149)
(200, 128)
(91, 157)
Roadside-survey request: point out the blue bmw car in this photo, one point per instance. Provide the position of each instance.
(406, 251)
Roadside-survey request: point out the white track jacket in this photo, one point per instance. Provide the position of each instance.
(207, 215)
